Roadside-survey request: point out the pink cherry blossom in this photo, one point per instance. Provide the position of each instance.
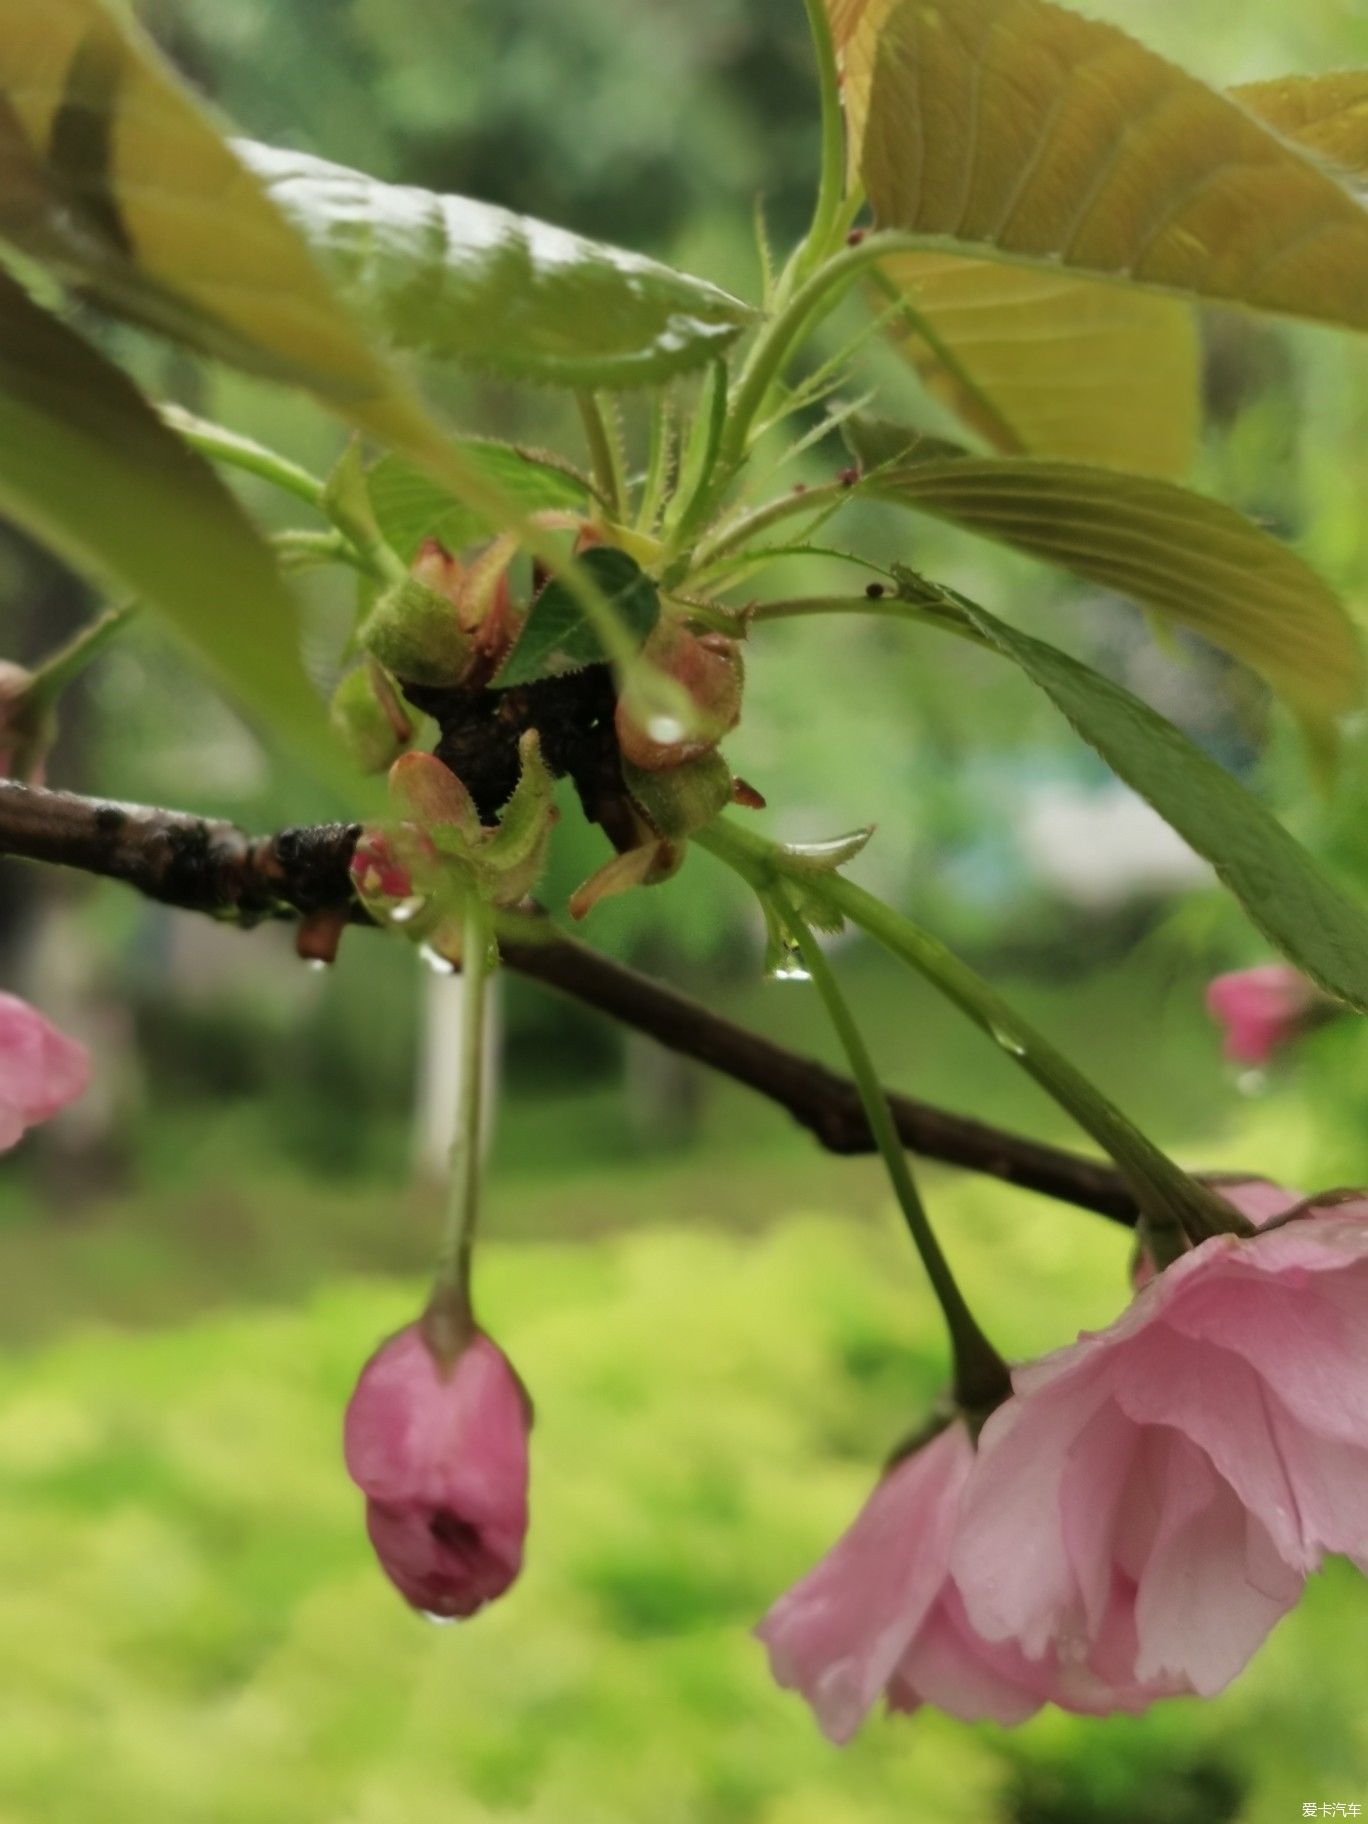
(879, 1616)
(1261, 1009)
(41, 1070)
(1200, 1457)
(440, 1453)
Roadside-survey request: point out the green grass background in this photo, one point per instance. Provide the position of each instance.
(192, 1629)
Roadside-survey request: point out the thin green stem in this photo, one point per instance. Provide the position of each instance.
(1170, 1200)
(982, 1380)
(814, 299)
(658, 457)
(238, 452)
(51, 677)
(928, 613)
(739, 567)
(298, 549)
(603, 453)
(451, 1281)
(696, 467)
(745, 527)
(831, 183)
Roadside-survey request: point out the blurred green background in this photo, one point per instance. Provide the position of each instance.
(722, 1328)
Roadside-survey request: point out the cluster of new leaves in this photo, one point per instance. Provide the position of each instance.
(1050, 202)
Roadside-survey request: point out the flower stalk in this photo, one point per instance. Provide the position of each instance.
(1173, 1205)
(449, 1322)
(981, 1377)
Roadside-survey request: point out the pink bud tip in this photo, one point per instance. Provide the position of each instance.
(41, 1070)
(440, 1453)
(1261, 1009)
(376, 870)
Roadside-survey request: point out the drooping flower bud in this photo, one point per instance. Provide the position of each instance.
(439, 1449)
(709, 668)
(1263, 1009)
(41, 1070)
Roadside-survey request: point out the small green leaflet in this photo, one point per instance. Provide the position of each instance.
(1297, 908)
(558, 638)
(410, 507)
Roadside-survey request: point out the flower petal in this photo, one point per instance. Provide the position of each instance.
(838, 1634)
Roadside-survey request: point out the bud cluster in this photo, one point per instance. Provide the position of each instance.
(440, 638)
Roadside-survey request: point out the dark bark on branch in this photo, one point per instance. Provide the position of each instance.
(206, 866)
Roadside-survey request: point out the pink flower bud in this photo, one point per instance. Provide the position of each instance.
(440, 1452)
(41, 1070)
(376, 870)
(1261, 1010)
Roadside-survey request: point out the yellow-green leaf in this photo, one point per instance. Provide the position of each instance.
(89, 469)
(1017, 130)
(1192, 561)
(1328, 114)
(1038, 362)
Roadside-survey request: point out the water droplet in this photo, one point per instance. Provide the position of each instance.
(406, 910)
(1252, 1083)
(1009, 1041)
(439, 1621)
(666, 730)
(439, 964)
(790, 969)
(317, 963)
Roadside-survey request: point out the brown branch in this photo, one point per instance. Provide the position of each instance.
(203, 865)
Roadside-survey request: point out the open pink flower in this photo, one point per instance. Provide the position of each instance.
(880, 1616)
(1261, 1009)
(1200, 1456)
(440, 1453)
(41, 1070)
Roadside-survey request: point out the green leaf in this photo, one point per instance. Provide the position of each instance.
(1042, 364)
(449, 277)
(114, 177)
(409, 506)
(1017, 130)
(1191, 560)
(90, 470)
(558, 638)
(111, 175)
(1296, 907)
